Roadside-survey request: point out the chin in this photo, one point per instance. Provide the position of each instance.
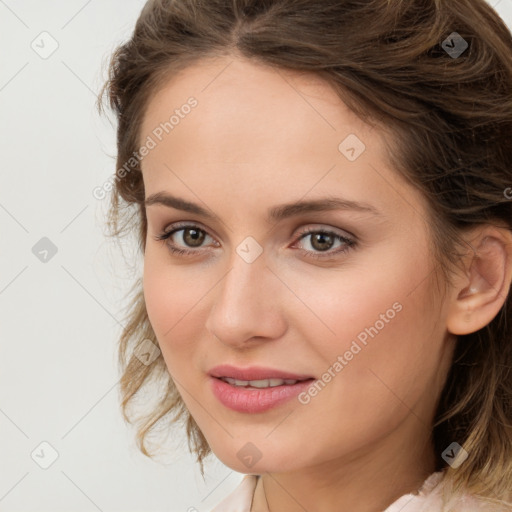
(248, 459)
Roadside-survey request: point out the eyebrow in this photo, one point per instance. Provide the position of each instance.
(275, 213)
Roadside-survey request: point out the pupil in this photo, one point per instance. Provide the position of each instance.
(197, 237)
(322, 236)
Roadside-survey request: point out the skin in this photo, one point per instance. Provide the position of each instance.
(258, 138)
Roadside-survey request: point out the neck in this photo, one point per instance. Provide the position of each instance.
(368, 481)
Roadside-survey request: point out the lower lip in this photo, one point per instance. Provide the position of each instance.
(255, 400)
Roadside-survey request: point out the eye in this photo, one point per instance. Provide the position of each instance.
(322, 240)
(192, 235)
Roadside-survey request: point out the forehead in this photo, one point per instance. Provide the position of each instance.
(261, 133)
(259, 102)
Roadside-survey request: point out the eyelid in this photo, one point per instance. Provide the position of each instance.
(174, 226)
(315, 227)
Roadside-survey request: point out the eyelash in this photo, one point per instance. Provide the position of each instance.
(350, 243)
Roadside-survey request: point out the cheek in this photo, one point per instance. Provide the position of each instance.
(390, 366)
(379, 321)
(172, 296)
(379, 380)
(367, 300)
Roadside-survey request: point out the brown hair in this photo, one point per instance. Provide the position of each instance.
(451, 121)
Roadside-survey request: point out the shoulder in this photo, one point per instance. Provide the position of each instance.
(239, 500)
(433, 498)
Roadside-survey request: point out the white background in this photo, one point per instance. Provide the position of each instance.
(60, 320)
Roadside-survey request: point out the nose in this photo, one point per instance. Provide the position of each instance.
(247, 304)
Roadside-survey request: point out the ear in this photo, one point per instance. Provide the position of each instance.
(482, 287)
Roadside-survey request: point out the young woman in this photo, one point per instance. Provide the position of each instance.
(322, 195)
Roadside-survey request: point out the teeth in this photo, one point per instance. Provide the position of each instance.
(265, 383)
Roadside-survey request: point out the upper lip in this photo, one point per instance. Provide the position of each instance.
(254, 373)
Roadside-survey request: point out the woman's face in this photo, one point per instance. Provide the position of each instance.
(284, 291)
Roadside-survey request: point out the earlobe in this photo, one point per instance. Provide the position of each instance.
(483, 289)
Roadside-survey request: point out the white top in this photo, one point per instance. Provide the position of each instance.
(428, 499)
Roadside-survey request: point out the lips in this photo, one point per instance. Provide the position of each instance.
(255, 373)
(251, 400)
